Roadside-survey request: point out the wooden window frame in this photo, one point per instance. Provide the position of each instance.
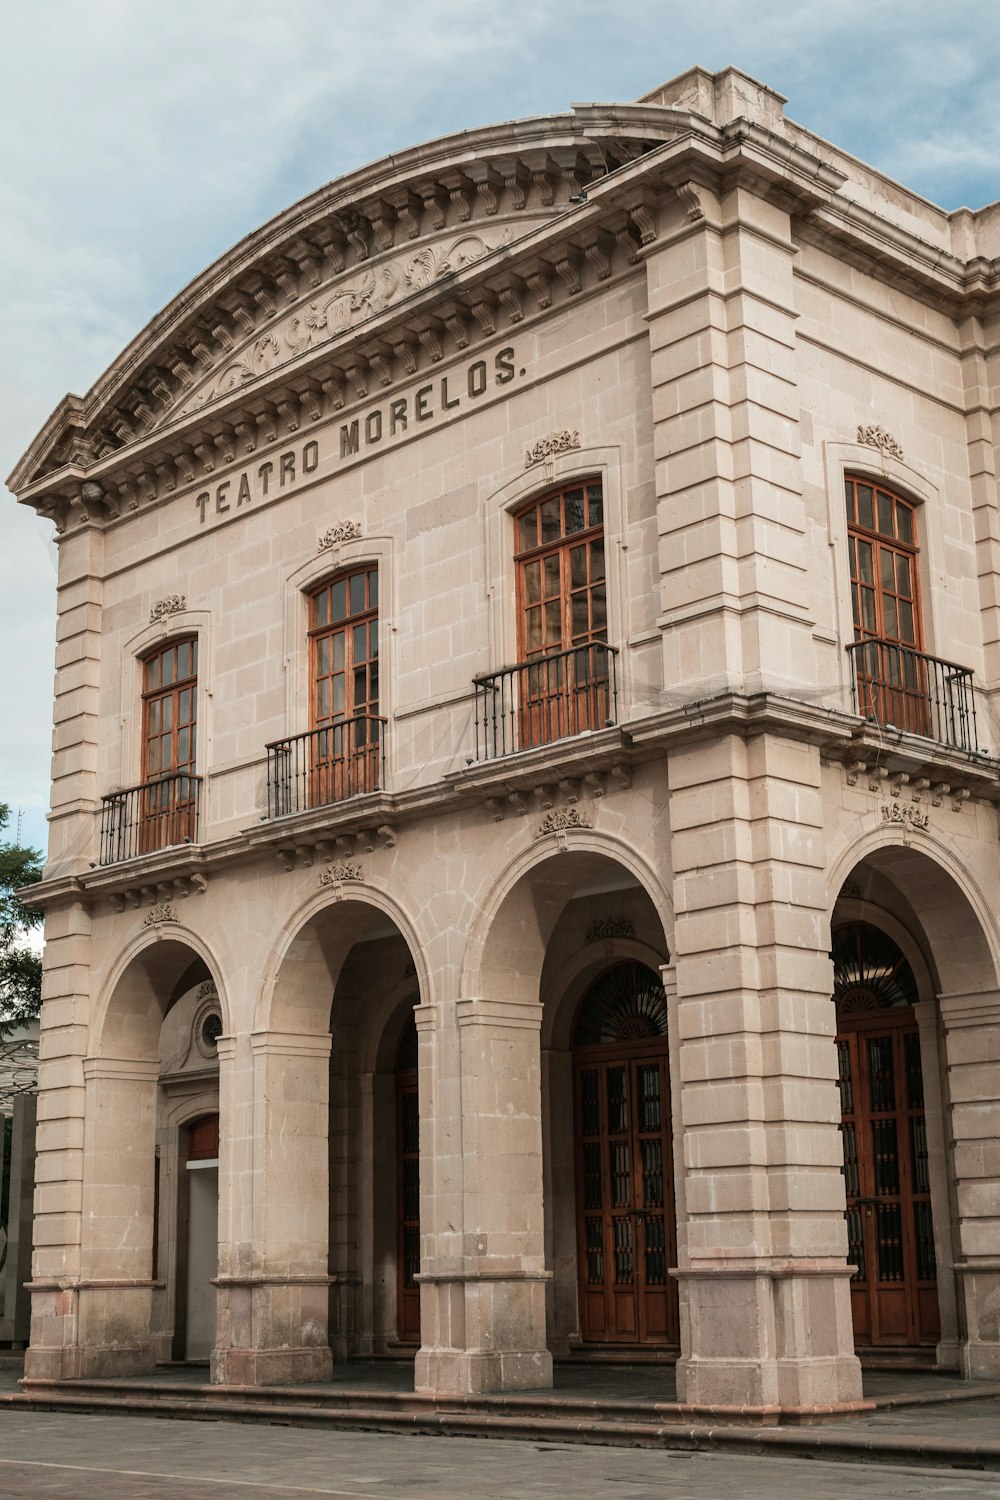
(166, 810)
(172, 691)
(346, 626)
(883, 542)
(561, 547)
(344, 746)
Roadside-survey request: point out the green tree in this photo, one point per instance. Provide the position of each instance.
(20, 966)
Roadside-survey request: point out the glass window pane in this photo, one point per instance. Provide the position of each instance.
(903, 583)
(866, 571)
(184, 660)
(906, 623)
(153, 674)
(891, 623)
(868, 609)
(578, 566)
(553, 625)
(360, 689)
(373, 589)
(360, 646)
(527, 530)
(552, 583)
(358, 594)
(373, 687)
(580, 620)
(849, 500)
(887, 568)
(533, 583)
(321, 608)
(338, 599)
(533, 633)
(183, 747)
(323, 656)
(550, 520)
(885, 513)
(596, 499)
(373, 640)
(169, 667)
(338, 652)
(597, 559)
(153, 716)
(166, 713)
(184, 706)
(904, 523)
(575, 512)
(866, 507)
(854, 607)
(338, 694)
(598, 609)
(322, 698)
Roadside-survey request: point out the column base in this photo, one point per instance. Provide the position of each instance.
(450, 1372)
(90, 1332)
(778, 1336)
(487, 1334)
(979, 1294)
(255, 1367)
(271, 1332)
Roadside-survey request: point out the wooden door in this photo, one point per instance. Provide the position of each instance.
(407, 1190)
(889, 1227)
(624, 1190)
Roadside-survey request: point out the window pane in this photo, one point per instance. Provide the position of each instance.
(849, 499)
(888, 569)
(153, 716)
(373, 687)
(598, 609)
(166, 713)
(184, 660)
(868, 609)
(321, 608)
(533, 583)
(551, 583)
(596, 504)
(578, 567)
(527, 531)
(904, 523)
(153, 757)
(575, 511)
(183, 747)
(885, 513)
(580, 616)
(338, 651)
(323, 656)
(533, 632)
(169, 667)
(358, 594)
(338, 694)
(597, 559)
(891, 623)
(373, 639)
(865, 568)
(360, 643)
(550, 520)
(184, 706)
(153, 674)
(906, 623)
(866, 507)
(854, 607)
(322, 698)
(903, 583)
(360, 689)
(553, 625)
(373, 589)
(338, 599)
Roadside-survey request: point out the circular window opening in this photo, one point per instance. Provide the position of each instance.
(211, 1030)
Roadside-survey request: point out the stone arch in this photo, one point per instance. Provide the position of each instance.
(134, 995)
(310, 952)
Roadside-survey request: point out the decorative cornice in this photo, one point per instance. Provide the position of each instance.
(874, 435)
(556, 442)
(173, 604)
(344, 531)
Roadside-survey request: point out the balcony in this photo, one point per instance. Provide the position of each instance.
(548, 698)
(900, 688)
(342, 760)
(155, 815)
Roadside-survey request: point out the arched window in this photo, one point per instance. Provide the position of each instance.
(168, 796)
(562, 614)
(344, 758)
(892, 679)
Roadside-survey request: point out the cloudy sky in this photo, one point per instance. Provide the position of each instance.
(142, 139)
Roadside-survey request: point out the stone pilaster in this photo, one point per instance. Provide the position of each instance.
(73, 829)
(274, 1285)
(765, 1300)
(731, 518)
(972, 1055)
(483, 1296)
(15, 1307)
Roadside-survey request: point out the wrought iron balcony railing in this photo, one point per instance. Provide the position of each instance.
(547, 698)
(909, 690)
(342, 760)
(152, 816)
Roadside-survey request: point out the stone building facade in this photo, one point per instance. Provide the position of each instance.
(523, 873)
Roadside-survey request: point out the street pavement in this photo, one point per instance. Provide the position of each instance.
(67, 1456)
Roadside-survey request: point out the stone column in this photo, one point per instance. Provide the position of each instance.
(483, 1292)
(765, 1294)
(15, 1311)
(116, 1252)
(274, 1226)
(972, 1055)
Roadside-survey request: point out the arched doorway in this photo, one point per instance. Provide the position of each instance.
(889, 1224)
(626, 1233)
(407, 1188)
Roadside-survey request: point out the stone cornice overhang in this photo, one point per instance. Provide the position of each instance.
(626, 199)
(589, 766)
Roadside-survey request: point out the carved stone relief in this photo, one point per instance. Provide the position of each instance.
(173, 604)
(874, 435)
(562, 817)
(344, 531)
(555, 442)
